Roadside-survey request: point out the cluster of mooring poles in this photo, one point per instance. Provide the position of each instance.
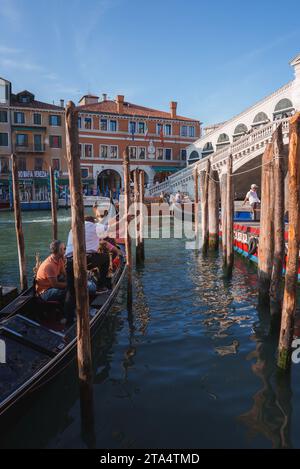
(271, 249)
(212, 192)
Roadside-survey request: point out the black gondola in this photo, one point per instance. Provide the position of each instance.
(34, 352)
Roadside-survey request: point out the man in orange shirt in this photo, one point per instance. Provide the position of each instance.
(51, 275)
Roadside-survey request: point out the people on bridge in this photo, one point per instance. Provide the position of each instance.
(50, 282)
(253, 200)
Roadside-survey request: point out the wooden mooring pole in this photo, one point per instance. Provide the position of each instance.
(213, 209)
(204, 181)
(196, 203)
(229, 217)
(290, 290)
(136, 178)
(266, 235)
(18, 224)
(223, 190)
(142, 200)
(279, 226)
(53, 203)
(84, 358)
(126, 168)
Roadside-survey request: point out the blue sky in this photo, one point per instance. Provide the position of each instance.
(214, 57)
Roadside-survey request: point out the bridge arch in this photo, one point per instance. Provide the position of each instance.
(207, 149)
(260, 119)
(239, 131)
(223, 140)
(194, 156)
(284, 108)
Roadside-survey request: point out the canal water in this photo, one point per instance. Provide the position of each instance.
(194, 367)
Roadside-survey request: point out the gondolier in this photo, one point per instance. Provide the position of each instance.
(253, 200)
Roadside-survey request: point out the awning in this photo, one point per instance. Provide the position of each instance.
(166, 169)
(63, 182)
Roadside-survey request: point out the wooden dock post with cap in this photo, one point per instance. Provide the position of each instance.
(266, 236)
(279, 225)
(126, 168)
(213, 210)
(18, 224)
(53, 204)
(204, 179)
(290, 290)
(84, 357)
(142, 201)
(229, 217)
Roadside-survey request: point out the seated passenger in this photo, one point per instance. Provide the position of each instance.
(51, 275)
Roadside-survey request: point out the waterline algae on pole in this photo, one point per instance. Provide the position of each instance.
(79, 259)
(18, 224)
(290, 289)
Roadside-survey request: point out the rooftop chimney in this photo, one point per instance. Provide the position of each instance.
(120, 103)
(104, 96)
(173, 109)
(62, 103)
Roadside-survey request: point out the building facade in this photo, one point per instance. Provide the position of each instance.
(157, 141)
(35, 132)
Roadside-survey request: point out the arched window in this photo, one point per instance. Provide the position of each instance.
(284, 108)
(194, 156)
(241, 129)
(207, 149)
(223, 140)
(260, 118)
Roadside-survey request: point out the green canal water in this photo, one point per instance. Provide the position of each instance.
(160, 378)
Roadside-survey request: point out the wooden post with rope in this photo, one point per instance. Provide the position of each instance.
(204, 180)
(84, 356)
(279, 226)
(223, 190)
(142, 201)
(290, 290)
(53, 204)
(266, 234)
(126, 168)
(229, 217)
(213, 210)
(18, 224)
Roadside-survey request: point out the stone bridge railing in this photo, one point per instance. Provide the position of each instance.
(243, 150)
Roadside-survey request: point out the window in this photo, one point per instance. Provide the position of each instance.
(88, 151)
(38, 164)
(191, 131)
(55, 141)
(21, 140)
(103, 151)
(103, 124)
(55, 120)
(3, 140)
(132, 127)
(84, 172)
(56, 164)
(3, 116)
(113, 126)
(19, 117)
(4, 165)
(132, 153)
(183, 155)
(37, 118)
(113, 151)
(168, 129)
(87, 123)
(160, 153)
(184, 131)
(141, 153)
(79, 122)
(24, 99)
(141, 127)
(21, 162)
(159, 129)
(168, 154)
(38, 143)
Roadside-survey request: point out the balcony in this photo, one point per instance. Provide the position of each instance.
(39, 148)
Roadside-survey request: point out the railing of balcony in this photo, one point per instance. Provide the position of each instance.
(35, 148)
